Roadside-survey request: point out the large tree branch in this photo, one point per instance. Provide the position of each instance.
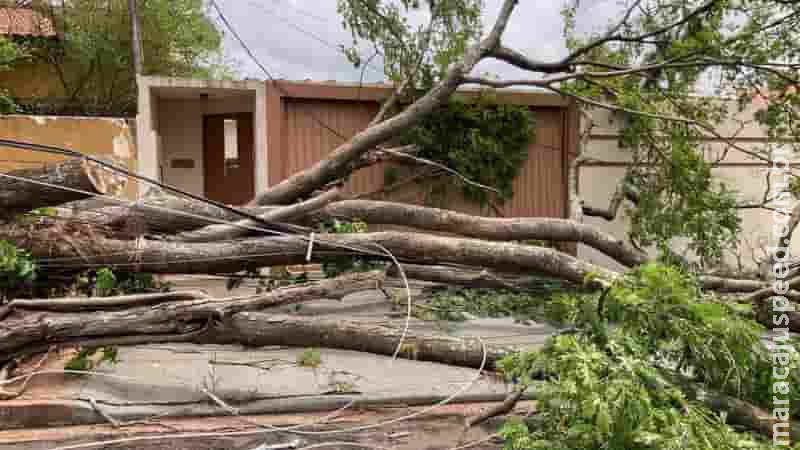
(614, 36)
(234, 320)
(500, 229)
(442, 220)
(81, 252)
(521, 61)
(338, 163)
(289, 213)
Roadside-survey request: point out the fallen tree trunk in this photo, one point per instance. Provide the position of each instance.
(232, 321)
(265, 329)
(156, 213)
(473, 278)
(241, 228)
(17, 194)
(738, 412)
(90, 250)
(500, 229)
(52, 413)
(158, 218)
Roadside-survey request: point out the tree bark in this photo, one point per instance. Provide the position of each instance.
(264, 329)
(54, 322)
(232, 321)
(89, 304)
(503, 408)
(76, 252)
(375, 213)
(472, 278)
(241, 228)
(156, 214)
(500, 229)
(739, 412)
(18, 195)
(768, 290)
(730, 285)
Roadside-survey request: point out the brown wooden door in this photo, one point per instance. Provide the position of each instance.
(229, 157)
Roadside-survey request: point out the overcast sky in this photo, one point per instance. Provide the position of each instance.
(299, 39)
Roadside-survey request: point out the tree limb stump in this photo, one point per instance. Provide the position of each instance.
(17, 195)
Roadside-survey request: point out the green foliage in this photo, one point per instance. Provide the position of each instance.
(745, 49)
(10, 52)
(310, 358)
(86, 358)
(343, 226)
(608, 383)
(462, 304)
(17, 270)
(104, 282)
(608, 397)
(482, 140)
(94, 56)
(334, 268)
(677, 196)
(418, 52)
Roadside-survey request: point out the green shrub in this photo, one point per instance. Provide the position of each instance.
(485, 141)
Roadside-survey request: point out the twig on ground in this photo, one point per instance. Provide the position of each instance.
(498, 410)
(114, 422)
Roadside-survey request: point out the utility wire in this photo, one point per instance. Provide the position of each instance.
(75, 154)
(263, 68)
(197, 216)
(338, 48)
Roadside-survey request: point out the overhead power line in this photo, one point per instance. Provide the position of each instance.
(266, 71)
(75, 154)
(338, 48)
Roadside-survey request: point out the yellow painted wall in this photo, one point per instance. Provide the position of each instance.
(92, 135)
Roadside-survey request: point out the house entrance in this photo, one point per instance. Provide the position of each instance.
(229, 158)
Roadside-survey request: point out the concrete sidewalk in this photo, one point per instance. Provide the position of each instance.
(175, 380)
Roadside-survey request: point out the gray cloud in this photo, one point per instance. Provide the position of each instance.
(300, 39)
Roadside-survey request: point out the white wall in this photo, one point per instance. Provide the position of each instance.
(739, 171)
(180, 128)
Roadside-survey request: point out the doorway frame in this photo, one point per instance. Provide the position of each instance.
(206, 150)
(148, 140)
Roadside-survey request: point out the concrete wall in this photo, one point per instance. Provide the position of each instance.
(180, 128)
(739, 172)
(91, 135)
(170, 124)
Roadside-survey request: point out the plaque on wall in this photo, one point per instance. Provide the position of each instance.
(181, 163)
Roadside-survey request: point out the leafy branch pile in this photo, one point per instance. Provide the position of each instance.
(629, 374)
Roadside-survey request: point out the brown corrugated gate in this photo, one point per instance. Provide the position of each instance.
(313, 118)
